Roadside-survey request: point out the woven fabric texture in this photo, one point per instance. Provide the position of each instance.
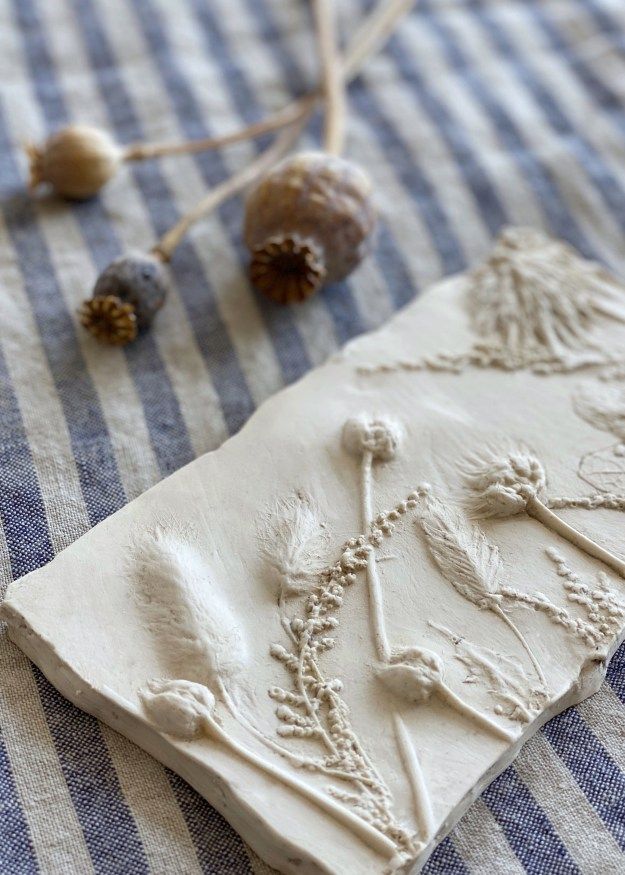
(478, 113)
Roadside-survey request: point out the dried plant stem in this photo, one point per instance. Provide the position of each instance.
(521, 638)
(371, 34)
(412, 767)
(376, 28)
(280, 119)
(331, 75)
(541, 513)
(368, 834)
(231, 186)
(376, 607)
(450, 698)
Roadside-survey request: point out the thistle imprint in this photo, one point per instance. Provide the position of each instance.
(535, 304)
(504, 481)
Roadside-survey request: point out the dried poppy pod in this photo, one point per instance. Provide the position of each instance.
(307, 222)
(76, 161)
(126, 297)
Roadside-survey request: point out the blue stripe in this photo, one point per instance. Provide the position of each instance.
(445, 861)
(471, 169)
(18, 855)
(592, 767)
(218, 846)
(589, 159)
(74, 734)
(616, 673)
(601, 94)
(559, 218)
(279, 321)
(171, 448)
(110, 831)
(97, 468)
(197, 295)
(526, 826)
(21, 506)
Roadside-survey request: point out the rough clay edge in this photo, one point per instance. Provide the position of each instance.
(269, 844)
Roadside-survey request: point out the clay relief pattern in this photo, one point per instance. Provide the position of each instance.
(602, 405)
(205, 656)
(534, 304)
(500, 483)
(531, 311)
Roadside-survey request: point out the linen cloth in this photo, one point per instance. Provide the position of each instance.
(479, 113)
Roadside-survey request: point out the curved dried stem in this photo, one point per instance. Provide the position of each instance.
(333, 84)
(372, 33)
(231, 186)
(280, 119)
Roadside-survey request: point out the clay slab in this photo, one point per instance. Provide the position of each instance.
(343, 624)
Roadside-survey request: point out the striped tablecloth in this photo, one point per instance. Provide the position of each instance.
(479, 113)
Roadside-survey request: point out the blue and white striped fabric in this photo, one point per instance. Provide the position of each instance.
(478, 113)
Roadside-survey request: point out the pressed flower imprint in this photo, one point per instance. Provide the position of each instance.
(201, 695)
(602, 405)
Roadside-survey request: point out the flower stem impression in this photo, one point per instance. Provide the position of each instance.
(513, 480)
(415, 674)
(186, 709)
(374, 439)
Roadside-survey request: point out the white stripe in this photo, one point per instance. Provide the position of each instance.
(172, 333)
(574, 188)
(106, 367)
(152, 103)
(605, 715)
(480, 841)
(571, 815)
(164, 834)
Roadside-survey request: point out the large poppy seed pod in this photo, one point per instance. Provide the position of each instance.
(126, 297)
(307, 222)
(75, 161)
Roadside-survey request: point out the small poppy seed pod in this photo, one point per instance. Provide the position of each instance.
(126, 297)
(307, 222)
(75, 161)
